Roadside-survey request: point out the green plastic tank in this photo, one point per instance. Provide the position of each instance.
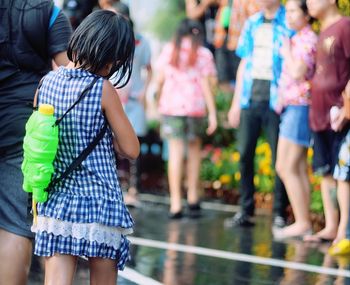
(40, 147)
(225, 17)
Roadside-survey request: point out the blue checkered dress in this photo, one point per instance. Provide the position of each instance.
(91, 193)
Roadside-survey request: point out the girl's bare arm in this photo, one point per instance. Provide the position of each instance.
(210, 102)
(125, 139)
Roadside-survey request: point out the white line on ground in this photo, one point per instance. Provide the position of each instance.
(240, 257)
(134, 276)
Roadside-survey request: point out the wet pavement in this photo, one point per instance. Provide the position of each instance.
(203, 251)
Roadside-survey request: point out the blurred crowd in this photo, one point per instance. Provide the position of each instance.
(289, 80)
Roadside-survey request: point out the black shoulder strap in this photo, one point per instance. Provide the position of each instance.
(82, 156)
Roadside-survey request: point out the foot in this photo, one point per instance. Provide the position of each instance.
(175, 216)
(279, 222)
(194, 210)
(341, 234)
(132, 201)
(292, 231)
(239, 220)
(322, 236)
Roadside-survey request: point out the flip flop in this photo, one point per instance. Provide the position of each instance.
(340, 248)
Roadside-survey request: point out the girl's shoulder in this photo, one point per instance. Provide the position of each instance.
(168, 47)
(205, 53)
(50, 77)
(306, 36)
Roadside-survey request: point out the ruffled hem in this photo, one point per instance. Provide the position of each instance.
(90, 232)
(86, 210)
(48, 244)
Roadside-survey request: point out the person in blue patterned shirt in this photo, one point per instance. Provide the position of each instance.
(254, 105)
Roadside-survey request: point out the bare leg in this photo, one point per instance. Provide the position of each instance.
(304, 178)
(176, 155)
(103, 271)
(193, 166)
(290, 159)
(60, 269)
(130, 197)
(343, 200)
(330, 211)
(15, 254)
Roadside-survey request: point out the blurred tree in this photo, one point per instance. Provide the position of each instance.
(169, 14)
(345, 6)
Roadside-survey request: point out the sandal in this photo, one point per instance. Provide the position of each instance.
(340, 248)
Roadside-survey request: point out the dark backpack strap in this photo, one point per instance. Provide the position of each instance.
(82, 95)
(82, 156)
(35, 108)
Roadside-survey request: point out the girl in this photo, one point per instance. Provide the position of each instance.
(85, 214)
(294, 138)
(341, 244)
(184, 70)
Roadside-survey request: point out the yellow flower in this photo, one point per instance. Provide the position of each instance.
(256, 180)
(310, 152)
(267, 171)
(259, 149)
(236, 156)
(225, 179)
(237, 176)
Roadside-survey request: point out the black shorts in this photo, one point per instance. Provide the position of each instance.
(226, 64)
(326, 145)
(182, 127)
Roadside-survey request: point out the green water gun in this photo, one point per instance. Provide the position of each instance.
(40, 146)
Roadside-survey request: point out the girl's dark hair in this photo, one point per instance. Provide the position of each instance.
(102, 38)
(192, 29)
(303, 7)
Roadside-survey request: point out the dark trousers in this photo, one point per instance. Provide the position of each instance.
(252, 121)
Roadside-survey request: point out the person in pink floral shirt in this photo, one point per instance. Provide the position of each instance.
(294, 137)
(185, 98)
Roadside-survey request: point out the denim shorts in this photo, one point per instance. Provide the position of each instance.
(13, 200)
(342, 169)
(182, 127)
(294, 125)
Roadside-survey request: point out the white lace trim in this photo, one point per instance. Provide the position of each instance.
(90, 232)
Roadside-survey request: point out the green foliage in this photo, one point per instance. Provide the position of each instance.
(316, 202)
(224, 134)
(344, 6)
(169, 14)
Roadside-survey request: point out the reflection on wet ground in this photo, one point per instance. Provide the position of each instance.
(203, 251)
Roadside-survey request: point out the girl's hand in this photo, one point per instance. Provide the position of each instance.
(338, 119)
(234, 116)
(347, 89)
(212, 124)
